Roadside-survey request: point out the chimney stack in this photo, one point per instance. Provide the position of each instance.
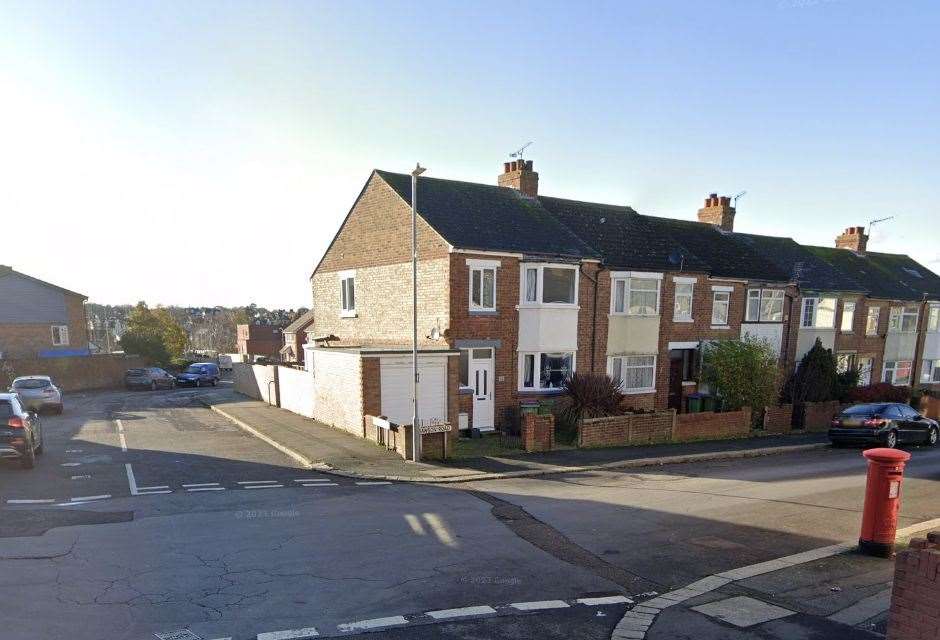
(519, 175)
(853, 238)
(717, 211)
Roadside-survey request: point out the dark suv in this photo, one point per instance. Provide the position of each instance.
(886, 423)
(199, 374)
(20, 431)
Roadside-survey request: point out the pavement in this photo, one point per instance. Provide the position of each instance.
(319, 446)
(217, 532)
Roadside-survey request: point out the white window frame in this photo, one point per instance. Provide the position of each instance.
(851, 356)
(536, 369)
(933, 318)
(930, 371)
(346, 310)
(60, 335)
(481, 266)
(770, 294)
(626, 277)
(873, 312)
(612, 363)
(812, 305)
(848, 308)
(726, 292)
(523, 271)
(894, 369)
(682, 282)
(896, 319)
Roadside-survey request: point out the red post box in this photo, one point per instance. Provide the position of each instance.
(882, 501)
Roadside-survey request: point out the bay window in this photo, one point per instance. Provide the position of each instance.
(634, 374)
(545, 370)
(764, 305)
(637, 294)
(902, 320)
(549, 284)
(819, 313)
(897, 372)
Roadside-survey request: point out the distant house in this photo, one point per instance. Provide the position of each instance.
(258, 340)
(295, 336)
(39, 319)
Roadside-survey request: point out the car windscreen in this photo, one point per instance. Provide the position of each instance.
(135, 372)
(194, 369)
(865, 409)
(6, 410)
(31, 384)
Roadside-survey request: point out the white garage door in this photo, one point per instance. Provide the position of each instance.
(396, 388)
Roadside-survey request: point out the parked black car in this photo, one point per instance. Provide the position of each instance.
(149, 378)
(199, 374)
(20, 431)
(883, 423)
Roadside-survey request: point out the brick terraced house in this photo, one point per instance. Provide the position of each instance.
(518, 290)
(39, 319)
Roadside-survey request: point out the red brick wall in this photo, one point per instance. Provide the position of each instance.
(639, 402)
(538, 432)
(778, 419)
(627, 429)
(915, 597)
(26, 340)
(77, 373)
(817, 416)
(709, 425)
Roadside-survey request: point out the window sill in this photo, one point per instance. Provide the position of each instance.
(548, 305)
(683, 320)
(721, 327)
(636, 392)
(348, 314)
(689, 383)
(464, 391)
(484, 312)
(620, 314)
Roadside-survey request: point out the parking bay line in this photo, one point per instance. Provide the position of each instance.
(194, 489)
(201, 484)
(257, 482)
(131, 482)
(262, 486)
(120, 426)
(42, 501)
(90, 498)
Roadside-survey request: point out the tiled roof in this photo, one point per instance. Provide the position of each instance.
(885, 275)
(9, 271)
(802, 266)
(301, 322)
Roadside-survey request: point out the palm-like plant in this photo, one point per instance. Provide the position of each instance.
(590, 395)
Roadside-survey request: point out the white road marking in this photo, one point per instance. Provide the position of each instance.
(73, 450)
(90, 498)
(207, 489)
(415, 523)
(202, 484)
(70, 464)
(150, 493)
(321, 484)
(131, 482)
(594, 602)
(312, 479)
(120, 426)
(156, 486)
(289, 634)
(84, 477)
(42, 501)
(480, 610)
(440, 530)
(375, 623)
(374, 482)
(263, 486)
(538, 606)
(257, 482)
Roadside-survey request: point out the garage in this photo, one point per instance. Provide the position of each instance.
(396, 374)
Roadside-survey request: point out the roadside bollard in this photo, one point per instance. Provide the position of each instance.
(882, 501)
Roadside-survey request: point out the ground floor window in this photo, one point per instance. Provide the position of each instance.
(634, 374)
(545, 370)
(930, 371)
(865, 366)
(897, 372)
(845, 361)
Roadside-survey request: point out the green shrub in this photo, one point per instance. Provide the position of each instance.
(816, 378)
(744, 373)
(589, 395)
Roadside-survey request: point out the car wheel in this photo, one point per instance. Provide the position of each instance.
(214, 382)
(198, 383)
(28, 461)
(153, 385)
(891, 440)
(932, 437)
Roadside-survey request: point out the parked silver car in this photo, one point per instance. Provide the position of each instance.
(37, 393)
(149, 378)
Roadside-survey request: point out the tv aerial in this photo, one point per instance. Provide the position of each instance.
(518, 152)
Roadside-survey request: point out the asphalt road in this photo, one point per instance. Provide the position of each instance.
(216, 532)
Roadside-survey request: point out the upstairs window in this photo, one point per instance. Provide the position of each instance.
(902, 320)
(871, 322)
(721, 303)
(482, 289)
(933, 318)
(848, 316)
(682, 308)
(347, 283)
(636, 296)
(765, 305)
(819, 313)
(549, 284)
(60, 335)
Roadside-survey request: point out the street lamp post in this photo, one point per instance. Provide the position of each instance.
(415, 429)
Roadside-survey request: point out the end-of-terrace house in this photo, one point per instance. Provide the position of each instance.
(518, 290)
(295, 337)
(39, 319)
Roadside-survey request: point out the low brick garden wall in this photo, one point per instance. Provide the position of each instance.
(916, 592)
(538, 432)
(930, 406)
(627, 429)
(709, 425)
(817, 416)
(778, 419)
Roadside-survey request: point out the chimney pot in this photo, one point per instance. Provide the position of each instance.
(528, 165)
(725, 200)
(506, 167)
(519, 175)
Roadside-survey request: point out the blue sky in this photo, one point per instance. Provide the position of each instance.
(205, 153)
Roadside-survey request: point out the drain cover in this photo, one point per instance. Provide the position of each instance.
(181, 634)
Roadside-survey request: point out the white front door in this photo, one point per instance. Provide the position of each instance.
(481, 379)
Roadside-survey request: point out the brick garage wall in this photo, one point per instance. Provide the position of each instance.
(75, 373)
(915, 597)
(778, 419)
(338, 384)
(817, 416)
(538, 432)
(709, 425)
(628, 429)
(78, 322)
